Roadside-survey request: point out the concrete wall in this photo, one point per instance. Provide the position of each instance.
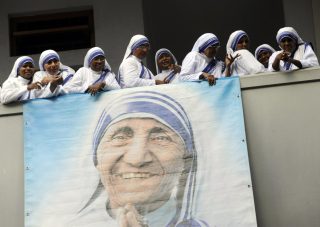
(115, 23)
(304, 16)
(282, 120)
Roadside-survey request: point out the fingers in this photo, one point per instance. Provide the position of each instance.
(211, 80)
(129, 217)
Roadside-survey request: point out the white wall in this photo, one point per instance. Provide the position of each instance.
(115, 23)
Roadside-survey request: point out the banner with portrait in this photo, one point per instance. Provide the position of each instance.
(169, 155)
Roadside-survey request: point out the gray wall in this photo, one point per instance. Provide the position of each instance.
(304, 16)
(282, 120)
(115, 23)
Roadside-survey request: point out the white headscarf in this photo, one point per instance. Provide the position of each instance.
(204, 41)
(48, 55)
(263, 47)
(91, 54)
(159, 53)
(234, 39)
(17, 65)
(289, 32)
(136, 41)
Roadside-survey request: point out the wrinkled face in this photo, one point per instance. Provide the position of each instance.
(263, 57)
(140, 161)
(98, 63)
(27, 70)
(211, 51)
(288, 44)
(142, 51)
(243, 43)
(52, 67)
(164, 61)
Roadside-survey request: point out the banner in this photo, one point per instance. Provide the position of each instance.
(169, 155)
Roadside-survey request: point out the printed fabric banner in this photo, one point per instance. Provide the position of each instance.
(169, 155)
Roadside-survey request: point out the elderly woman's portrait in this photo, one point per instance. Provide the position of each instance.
(149, 161)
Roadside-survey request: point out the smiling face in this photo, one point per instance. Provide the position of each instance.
(52, 67)
(164, 61)
(26, 70)
(140, 161)
(243, 43)
(288, 44)
(263, 57)
(98, 63)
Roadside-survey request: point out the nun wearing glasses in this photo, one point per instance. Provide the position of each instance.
(201, 62)
(19, 85)
(132, 72)
(51, 69)
(239, 61)
(94, 76)
(167, 66)
(294, 53)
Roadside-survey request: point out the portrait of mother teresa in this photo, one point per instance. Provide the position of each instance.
(144, 153)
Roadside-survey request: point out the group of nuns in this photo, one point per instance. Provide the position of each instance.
(200, 63)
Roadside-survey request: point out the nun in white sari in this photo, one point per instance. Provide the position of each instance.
(239, 61)
(94, 76)
(51, 68)
(19, 86)
(263, 53)
(167, 66)
(201, 63)
(132, 72)
(295, 53)
(143, 168)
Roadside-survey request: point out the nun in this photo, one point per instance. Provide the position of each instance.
(19, 85)
(132, 72)
(94, 76)
(167, 66)
(263, 53)
(294, 53)
(144, 154)
(51, 68)
(201, 62)
(239, 61)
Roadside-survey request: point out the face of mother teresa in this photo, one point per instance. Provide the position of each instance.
(140, 161)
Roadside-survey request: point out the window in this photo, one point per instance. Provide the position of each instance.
(36, 32)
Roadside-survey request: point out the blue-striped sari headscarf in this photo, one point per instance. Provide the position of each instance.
(288, 32)
(166, 110)
(46, 56)
(234, 39)
(135, 42)
(159, 53)
(18, 64)
(204, 41)
(263, 47)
